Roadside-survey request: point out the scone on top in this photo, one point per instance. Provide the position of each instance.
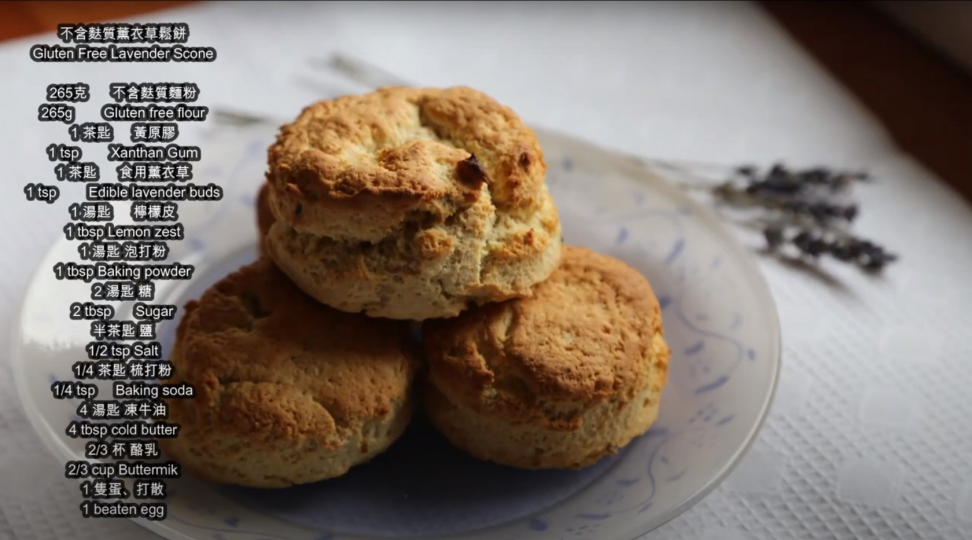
(265, 217)
(560, 379)
(411, 203)
(288, 391)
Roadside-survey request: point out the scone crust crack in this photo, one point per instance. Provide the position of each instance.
(411, 203)
(405, 148)
(287, 390)
(582, 336)
(580, 364)
(249, 330)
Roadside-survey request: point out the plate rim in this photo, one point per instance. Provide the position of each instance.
(637, 166)
(754, 275)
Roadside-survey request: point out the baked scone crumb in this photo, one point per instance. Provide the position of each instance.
(288, 391)
(411, 203)
(559, 379)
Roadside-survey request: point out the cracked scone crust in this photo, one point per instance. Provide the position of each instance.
(288, 391)
(560, 379)
(411, 203)
(265, 217)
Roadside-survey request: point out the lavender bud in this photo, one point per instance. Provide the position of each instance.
(774, 236)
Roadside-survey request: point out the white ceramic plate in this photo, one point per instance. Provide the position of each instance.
(719, 320)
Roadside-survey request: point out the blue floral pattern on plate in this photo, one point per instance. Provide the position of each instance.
(719, 320)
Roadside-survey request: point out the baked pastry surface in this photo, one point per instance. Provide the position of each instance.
(265, 217)
(411, 203)
(560, 379)
(288, 391)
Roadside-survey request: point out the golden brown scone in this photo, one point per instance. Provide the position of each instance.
(411, 203)
(557, 380)
(265, 217)
(288, 391)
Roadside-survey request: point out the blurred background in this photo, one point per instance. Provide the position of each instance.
(869, 433)
(908, 62)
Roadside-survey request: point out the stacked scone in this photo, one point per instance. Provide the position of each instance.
(413, 205)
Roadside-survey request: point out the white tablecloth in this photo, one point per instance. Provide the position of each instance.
(871, 434)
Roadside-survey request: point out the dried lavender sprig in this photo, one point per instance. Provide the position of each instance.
(807, 210)
(820, 210)
(844, 247)
(779, 179)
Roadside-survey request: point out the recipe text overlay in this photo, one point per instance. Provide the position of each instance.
(123, 227)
